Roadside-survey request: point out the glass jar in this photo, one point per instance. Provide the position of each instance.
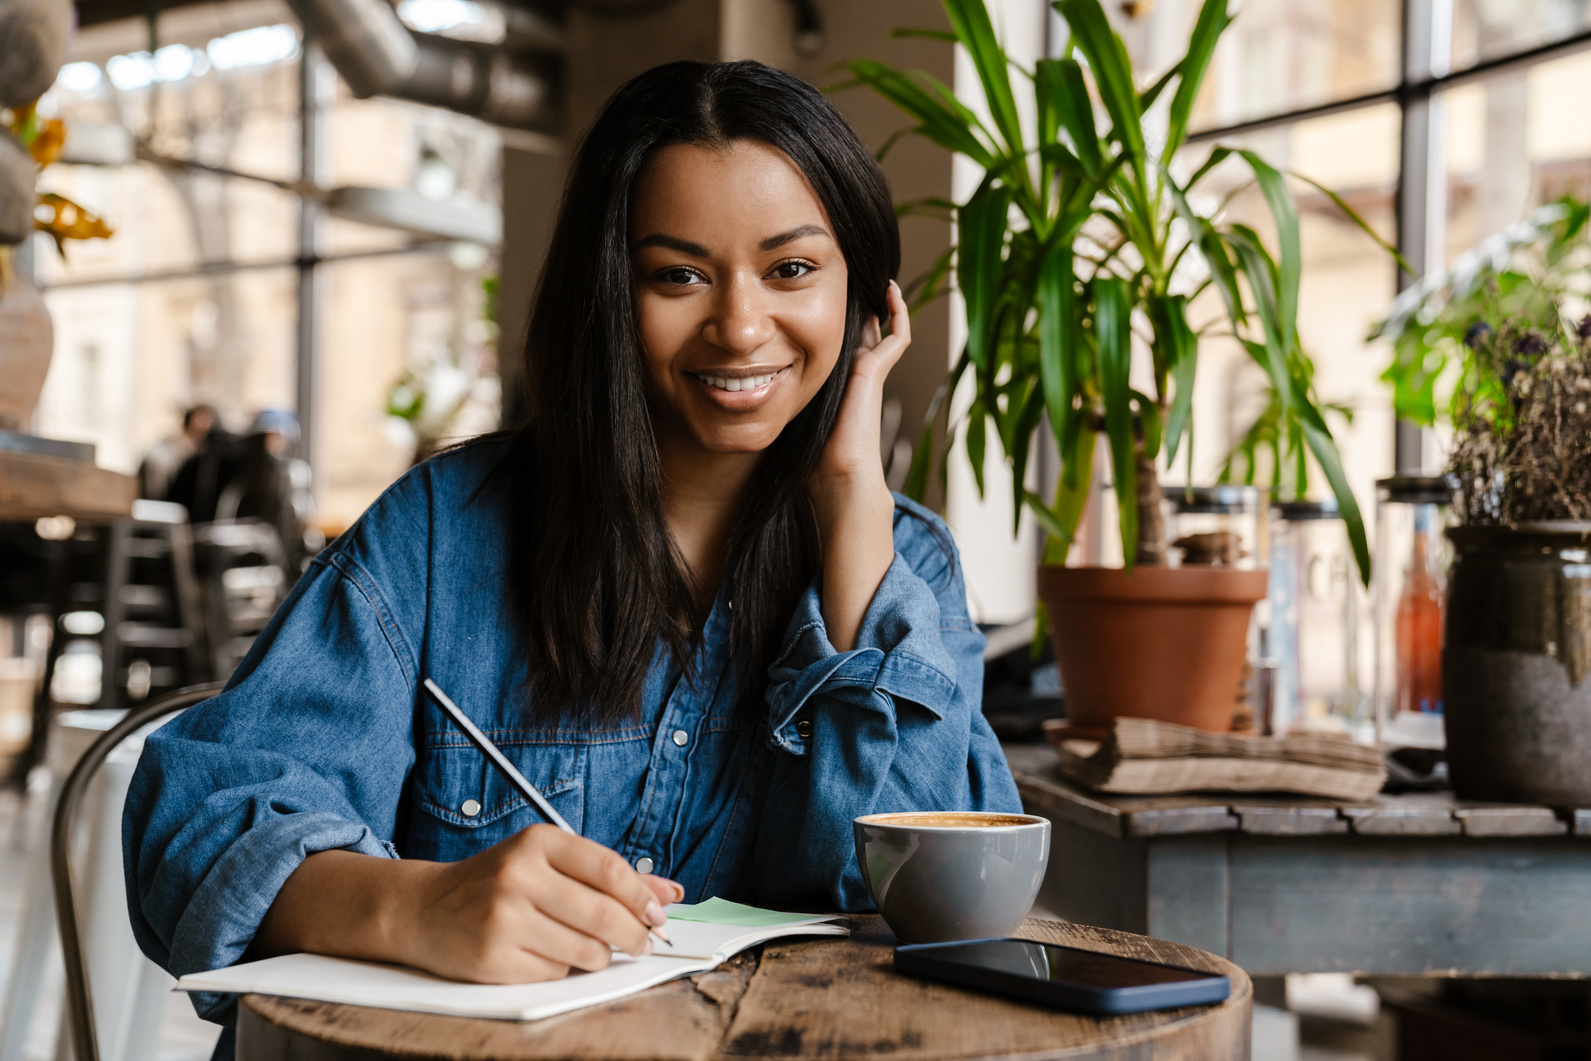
(1314, 623)
(1410, 592)
(1215, 525)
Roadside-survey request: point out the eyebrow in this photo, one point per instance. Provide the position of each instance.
(673, 243)
(685, 246)
(794, 234)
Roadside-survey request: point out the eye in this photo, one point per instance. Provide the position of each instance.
(678, 275)
(791, 270)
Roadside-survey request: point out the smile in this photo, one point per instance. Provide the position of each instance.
(735, 384)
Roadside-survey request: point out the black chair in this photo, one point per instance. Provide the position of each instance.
(79, 1004)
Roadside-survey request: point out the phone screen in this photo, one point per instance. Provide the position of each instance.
(1046, 961)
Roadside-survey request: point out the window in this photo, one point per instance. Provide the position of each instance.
(197, 297)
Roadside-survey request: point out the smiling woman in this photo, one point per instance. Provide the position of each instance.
(681, 599)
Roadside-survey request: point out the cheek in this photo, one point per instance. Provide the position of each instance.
(820, 330)
(662, 331)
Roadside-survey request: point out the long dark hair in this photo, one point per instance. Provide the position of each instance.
(597, 581)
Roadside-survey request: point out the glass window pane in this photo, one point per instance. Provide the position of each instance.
(1347, 283)
(195, 297)
(1277, 56)
(1490, 29)
(1512, 142)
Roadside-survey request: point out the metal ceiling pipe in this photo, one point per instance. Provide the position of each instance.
(480, 80)
(371, 49)
(377, 55)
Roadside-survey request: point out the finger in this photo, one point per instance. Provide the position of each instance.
(871, 334)
(601, 868)
(549, 935)
(900, 317)
(665, 890)
(604, 871)
(593, 914)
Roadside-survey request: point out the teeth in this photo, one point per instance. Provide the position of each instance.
(732, 385)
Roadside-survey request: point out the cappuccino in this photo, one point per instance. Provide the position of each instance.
(950, 819)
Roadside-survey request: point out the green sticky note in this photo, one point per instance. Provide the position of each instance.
(723, 912)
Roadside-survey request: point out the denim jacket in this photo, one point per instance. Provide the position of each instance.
(323, 740)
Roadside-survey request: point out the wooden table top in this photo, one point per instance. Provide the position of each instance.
(792, 999)
(33, 485)
(1045, 791)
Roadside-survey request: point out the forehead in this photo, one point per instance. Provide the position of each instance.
(744, 187)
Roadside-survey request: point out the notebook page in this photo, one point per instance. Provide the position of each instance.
(315, 976)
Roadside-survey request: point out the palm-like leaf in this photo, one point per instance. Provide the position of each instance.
(1050, 326)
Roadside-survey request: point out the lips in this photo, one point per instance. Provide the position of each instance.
(736, 383)
(739, 392)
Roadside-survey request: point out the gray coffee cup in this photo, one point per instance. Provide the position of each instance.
(943, 875)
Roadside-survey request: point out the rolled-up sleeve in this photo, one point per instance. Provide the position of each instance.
(894, 724)
(307, 750)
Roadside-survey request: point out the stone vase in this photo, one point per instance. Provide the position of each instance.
(1516, 664)
(32, 45)
(18, 190)
(27, 339)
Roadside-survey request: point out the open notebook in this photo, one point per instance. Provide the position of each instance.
(704, 935)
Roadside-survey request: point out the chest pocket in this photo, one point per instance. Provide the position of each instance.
(455, 786)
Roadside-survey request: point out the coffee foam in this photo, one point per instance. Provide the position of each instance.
(949, 819)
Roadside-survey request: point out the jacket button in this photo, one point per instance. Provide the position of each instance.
(804, 728)
(643, 865)
(470, 808)
(681, 738)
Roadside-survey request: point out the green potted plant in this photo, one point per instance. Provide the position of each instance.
(1079, 249)
(1517, 641)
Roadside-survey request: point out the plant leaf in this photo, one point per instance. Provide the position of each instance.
(1107, 58)
(1364, 226)
(1149, 416)
(947, 124)
(1146, 99)
(1212, 22)
(970, 21)
(1289, 259)
(981, 238)
(977, 426)
(928, 34)
(1324, 449)
(1183, 357)
(1074, 109)
(1112, 318)
(1057, 363)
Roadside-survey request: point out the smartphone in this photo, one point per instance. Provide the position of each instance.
(1081, 981)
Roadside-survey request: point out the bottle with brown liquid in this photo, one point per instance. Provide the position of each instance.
(1418, 628)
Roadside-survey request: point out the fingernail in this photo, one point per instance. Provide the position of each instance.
(655, 914)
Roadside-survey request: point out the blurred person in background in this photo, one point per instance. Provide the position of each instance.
(270, 483)
(166, 457)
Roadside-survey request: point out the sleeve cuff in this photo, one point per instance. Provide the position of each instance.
(226, 910)
(899, 652)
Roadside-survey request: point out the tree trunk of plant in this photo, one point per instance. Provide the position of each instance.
(1151, 515)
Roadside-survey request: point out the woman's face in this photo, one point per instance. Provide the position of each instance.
(740, 293)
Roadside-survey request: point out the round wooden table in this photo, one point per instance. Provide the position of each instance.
(820, 998)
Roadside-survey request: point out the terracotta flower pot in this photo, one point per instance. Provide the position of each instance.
(1158, 642)
(1516, 663)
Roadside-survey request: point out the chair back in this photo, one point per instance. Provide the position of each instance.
(79, 1004)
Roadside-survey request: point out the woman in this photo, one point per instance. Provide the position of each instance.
(682, 599)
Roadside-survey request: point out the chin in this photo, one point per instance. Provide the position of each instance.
(735, 440)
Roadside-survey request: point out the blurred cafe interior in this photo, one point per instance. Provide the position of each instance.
(260, 258)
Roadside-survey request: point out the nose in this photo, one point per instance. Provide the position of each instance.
(740, 322)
